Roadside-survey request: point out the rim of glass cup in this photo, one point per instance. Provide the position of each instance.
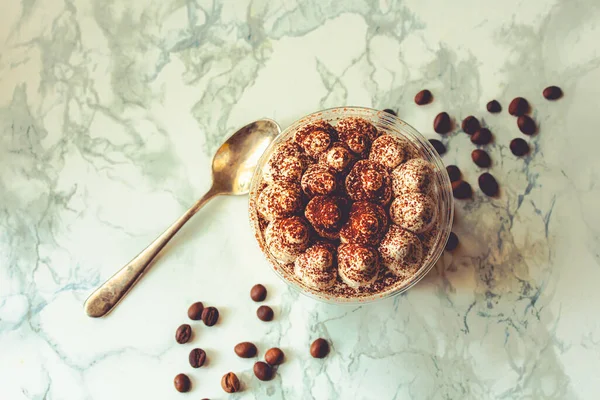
(390, 124)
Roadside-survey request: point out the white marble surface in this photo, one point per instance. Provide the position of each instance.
(109, 113)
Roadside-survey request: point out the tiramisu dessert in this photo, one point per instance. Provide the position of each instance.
(346, 210)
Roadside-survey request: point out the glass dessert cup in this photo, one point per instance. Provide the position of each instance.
(387, 124)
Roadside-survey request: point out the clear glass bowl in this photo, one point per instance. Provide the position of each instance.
(385, 123)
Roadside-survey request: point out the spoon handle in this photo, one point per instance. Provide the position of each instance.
(106, 297)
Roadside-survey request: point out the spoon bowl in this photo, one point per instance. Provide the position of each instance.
(232, 170)
(235, 161)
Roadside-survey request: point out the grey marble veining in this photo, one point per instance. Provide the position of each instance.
(110, 112)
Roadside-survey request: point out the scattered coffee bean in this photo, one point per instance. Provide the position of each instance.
(481, 158)
(274, 356)
(519, 147)
(390, 111)
(264, 313)
(452, 242)
(245, 350)
(319, 348)
(494, 107)
(263, 371)
(438, 146)
(182, 383)
(552, 93)
(230, 382)
(453, 173)
(482, 136)
(195, 311)
(423, 97)
(470, 125)
(488, 184)
(210, 316)
(441, 123)
(461, 190)
(518, 106)
(526, 124)
(197, 358)
(183, 334)
(258, 292)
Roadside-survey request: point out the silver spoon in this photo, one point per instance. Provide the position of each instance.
(232, 169)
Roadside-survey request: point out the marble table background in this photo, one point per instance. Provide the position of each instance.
(110, 111)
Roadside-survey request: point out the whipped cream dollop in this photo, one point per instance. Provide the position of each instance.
(358, 265)
(415, 175)
(287, 238)
(315, 267)
(401, 252)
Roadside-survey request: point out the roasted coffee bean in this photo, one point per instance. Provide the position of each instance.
(453, 173)
(518, 106)
(210, 316)
(494, 107)
(319, 348)
(552, 93)
(482, 136)
(470, 125)
(461, 190)
(481, 158)
(183, 334)
(195, 311)
(263, 371)
(245, 350)
(519, 147)
(526, 124)
(438, 146)
(423, 97)
(274, 356)
(264, 313)
(230, 382)
(258, 292)
(390, 111)
(488, 184)
(197, 358)
(442, 123)
(452, 242)
(182, 383)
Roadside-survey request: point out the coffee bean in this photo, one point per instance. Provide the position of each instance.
(274, 356)
(230, 382)
(264, 313)
(438, 146)
(488, 184)
(183, 334)
(182, 383)
(245, 350)
(263, 371)
(453, 173)
(470, 125)
(390, 111)
(482, 136)
(197, 358)
(258, 292)
(441, 123)
(319, 348)
(461, 190)
(526, 124)
(423, 97)
(552, 93)
(519, 147)
(210, 316)
(494, 107)
(195, 311)
(452, 242)
(481, 158)
(518, 106)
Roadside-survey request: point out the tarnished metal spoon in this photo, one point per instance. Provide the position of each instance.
(232, 169)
